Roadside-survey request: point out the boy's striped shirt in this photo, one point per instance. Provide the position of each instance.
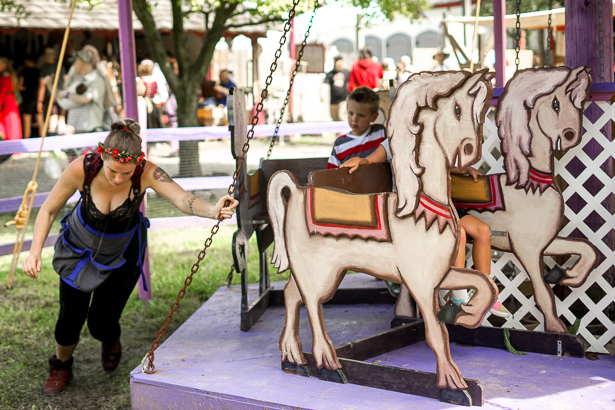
(350, 146)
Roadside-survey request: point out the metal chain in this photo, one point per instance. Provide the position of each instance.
(600, 41)
(259, 107)
(292, 81)
(547, 62)
(518, 35)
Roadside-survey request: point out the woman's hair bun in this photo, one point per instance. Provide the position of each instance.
(127, 124)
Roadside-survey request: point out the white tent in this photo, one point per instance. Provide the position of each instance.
(534, 20)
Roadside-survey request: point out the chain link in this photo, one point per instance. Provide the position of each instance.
(547, 62)
(601, 41)
(292, 81)
(259, 107)
(518, 35)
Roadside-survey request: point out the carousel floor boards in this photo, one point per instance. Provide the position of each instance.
(209, 363)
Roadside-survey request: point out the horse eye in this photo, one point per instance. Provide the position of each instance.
(555, 105)
(457, 111)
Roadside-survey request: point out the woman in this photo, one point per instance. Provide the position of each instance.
(85, 111)
(154, 118)
(99, 253)
(10, 123)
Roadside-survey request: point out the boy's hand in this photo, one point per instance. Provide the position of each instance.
(474, 173)
(354, 163)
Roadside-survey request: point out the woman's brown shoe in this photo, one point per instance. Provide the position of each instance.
(60, 374)
(111, 355)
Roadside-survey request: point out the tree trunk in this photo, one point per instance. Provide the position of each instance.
(187, 116)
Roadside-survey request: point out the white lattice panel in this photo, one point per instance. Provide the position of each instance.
(509, 271)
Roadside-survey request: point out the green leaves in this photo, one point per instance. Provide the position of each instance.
(391, 8)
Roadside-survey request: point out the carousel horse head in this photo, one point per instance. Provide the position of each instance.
(540, 103)
(444, 108)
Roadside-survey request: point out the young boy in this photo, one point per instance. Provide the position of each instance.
(364, 138)
(470, 225)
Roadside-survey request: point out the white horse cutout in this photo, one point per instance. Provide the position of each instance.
(407, 237)
(540, 111)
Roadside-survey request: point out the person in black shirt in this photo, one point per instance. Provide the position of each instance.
(28, 86)
(47, 73)
(338, 83)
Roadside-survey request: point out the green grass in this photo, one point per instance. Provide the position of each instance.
(29, 313)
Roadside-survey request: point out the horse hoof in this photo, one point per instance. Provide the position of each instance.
(449, 312)
(460, 397)
(298, 369)
(555, 274)
(328, 375)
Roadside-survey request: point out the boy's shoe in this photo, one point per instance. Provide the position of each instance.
(60, 374)
(393, 288)
(498, 309)
(111, 355)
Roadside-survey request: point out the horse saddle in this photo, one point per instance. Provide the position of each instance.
(482, 195)
(338, 213)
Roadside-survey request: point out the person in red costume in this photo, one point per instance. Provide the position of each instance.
(10, 123)
(365, 72)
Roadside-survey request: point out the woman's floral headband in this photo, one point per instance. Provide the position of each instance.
(122, 156)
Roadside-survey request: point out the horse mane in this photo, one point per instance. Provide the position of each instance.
(514, 109)
(420, 91)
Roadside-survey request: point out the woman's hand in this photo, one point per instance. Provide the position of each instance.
(222, 212)
(32, 265)
(354, 163)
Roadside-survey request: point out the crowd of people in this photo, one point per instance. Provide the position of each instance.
(368, 72)
(88, 96)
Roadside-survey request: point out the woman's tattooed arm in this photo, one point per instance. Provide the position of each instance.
(190, 202)
(161, 175)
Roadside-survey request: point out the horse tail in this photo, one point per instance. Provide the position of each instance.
(276, 206)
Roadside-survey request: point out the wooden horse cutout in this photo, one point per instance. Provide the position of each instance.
(407, 237)
(540, 111)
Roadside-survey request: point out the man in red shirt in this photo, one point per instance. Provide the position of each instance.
(365, 72)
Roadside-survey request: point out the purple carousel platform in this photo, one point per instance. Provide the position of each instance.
(209, 363)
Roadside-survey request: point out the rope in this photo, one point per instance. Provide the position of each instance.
(474, 36)
(23, 214)
(147, 364)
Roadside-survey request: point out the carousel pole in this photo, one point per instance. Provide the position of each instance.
(131, 109)
(589, 41)
(499, 34)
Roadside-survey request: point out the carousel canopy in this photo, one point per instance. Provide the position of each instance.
(53, 15)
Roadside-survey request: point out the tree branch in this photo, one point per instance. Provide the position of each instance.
(255, 23)
(212, 36)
